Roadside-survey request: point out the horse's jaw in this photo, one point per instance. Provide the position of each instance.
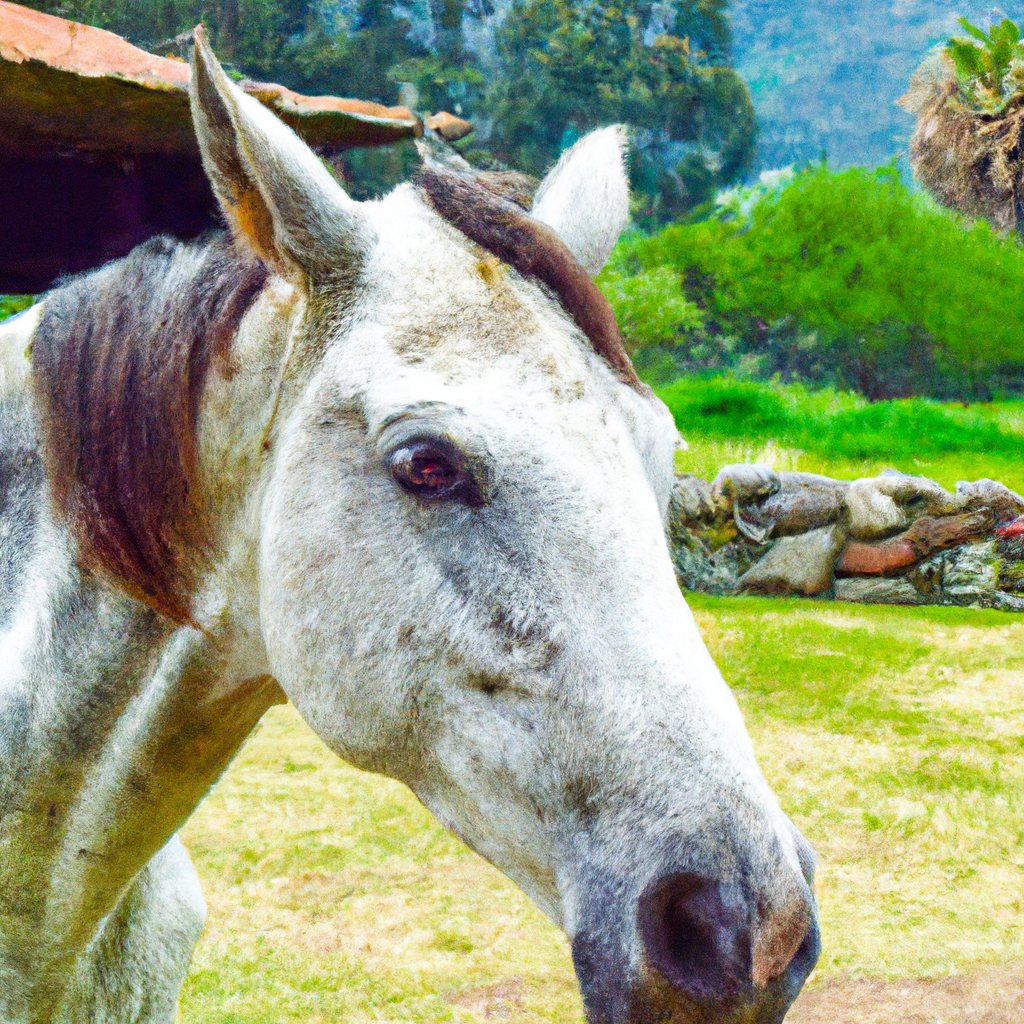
(529, 668)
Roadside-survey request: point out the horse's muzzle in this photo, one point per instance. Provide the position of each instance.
(710, 951)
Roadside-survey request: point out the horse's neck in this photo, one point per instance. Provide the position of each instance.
(114, 723)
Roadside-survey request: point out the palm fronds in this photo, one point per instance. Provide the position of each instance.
(969, 103)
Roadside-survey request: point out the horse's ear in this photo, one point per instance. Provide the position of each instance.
(585, 197)
(277, 196)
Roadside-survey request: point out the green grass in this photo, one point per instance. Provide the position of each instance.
(334, 896)
(892, 736)
(724, 420)
(895, 738)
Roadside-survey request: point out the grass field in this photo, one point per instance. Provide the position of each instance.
(725, 420)
(894, 737)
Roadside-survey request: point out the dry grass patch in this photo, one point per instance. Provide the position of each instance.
(334, 896)
(990, 996)
(894, 738)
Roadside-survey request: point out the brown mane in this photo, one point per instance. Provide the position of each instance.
(120, 357)
(500, 225)
(119, 361)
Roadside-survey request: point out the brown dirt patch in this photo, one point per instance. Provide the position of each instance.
(991, 996)
(492, 1002)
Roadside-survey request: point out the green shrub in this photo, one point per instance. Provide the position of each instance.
(842, 425)
(990, 75)
(650, 307)
(11, 304)
(840, 278)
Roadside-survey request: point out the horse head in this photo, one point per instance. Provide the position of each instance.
(433, 492)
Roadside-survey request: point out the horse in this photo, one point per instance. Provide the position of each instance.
(389, 461)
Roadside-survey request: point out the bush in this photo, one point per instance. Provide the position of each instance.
(11, 304)
(843, 425)
(843, 278)
(650, 307)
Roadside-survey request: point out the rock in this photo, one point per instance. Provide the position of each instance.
(923, 537)
(981, 494)
(930, 534)
(804, 501)
(741, 488)
(449, 127)
(712, 568)
(985, 574)
(799, 564)
(927, 575)
(1010, 550)
(750, 521)
(744, 484)
(691, 503)
(872, 512)
(860, 558)
(972, 575)
(878, 590)
(918, 494)
(1011, 529)
(882, 505)
(757, 531)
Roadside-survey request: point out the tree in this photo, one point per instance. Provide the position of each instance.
(570, 65)
(559, 68)
(361, 61)
(968, 147)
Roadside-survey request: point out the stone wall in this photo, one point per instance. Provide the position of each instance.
(888, 539)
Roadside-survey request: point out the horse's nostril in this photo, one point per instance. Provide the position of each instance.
(697, 935)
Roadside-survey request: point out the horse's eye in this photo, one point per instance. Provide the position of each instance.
(433, 471)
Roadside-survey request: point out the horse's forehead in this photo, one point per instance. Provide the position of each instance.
(441, 320)
(468, 306)
(437, 299)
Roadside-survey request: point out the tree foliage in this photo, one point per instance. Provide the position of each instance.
(12, 304)
(990, 75)
(552, 70)
(570, 65)
(836, 278)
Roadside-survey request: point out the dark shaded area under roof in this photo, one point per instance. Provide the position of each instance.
(97, 151)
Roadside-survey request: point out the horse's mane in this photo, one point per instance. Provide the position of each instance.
(119, 360)
(121, 355)
(492, 214)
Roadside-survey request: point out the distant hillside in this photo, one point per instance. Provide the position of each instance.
(825, 74)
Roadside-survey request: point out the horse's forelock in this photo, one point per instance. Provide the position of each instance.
(492, 215)
(119, 361)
